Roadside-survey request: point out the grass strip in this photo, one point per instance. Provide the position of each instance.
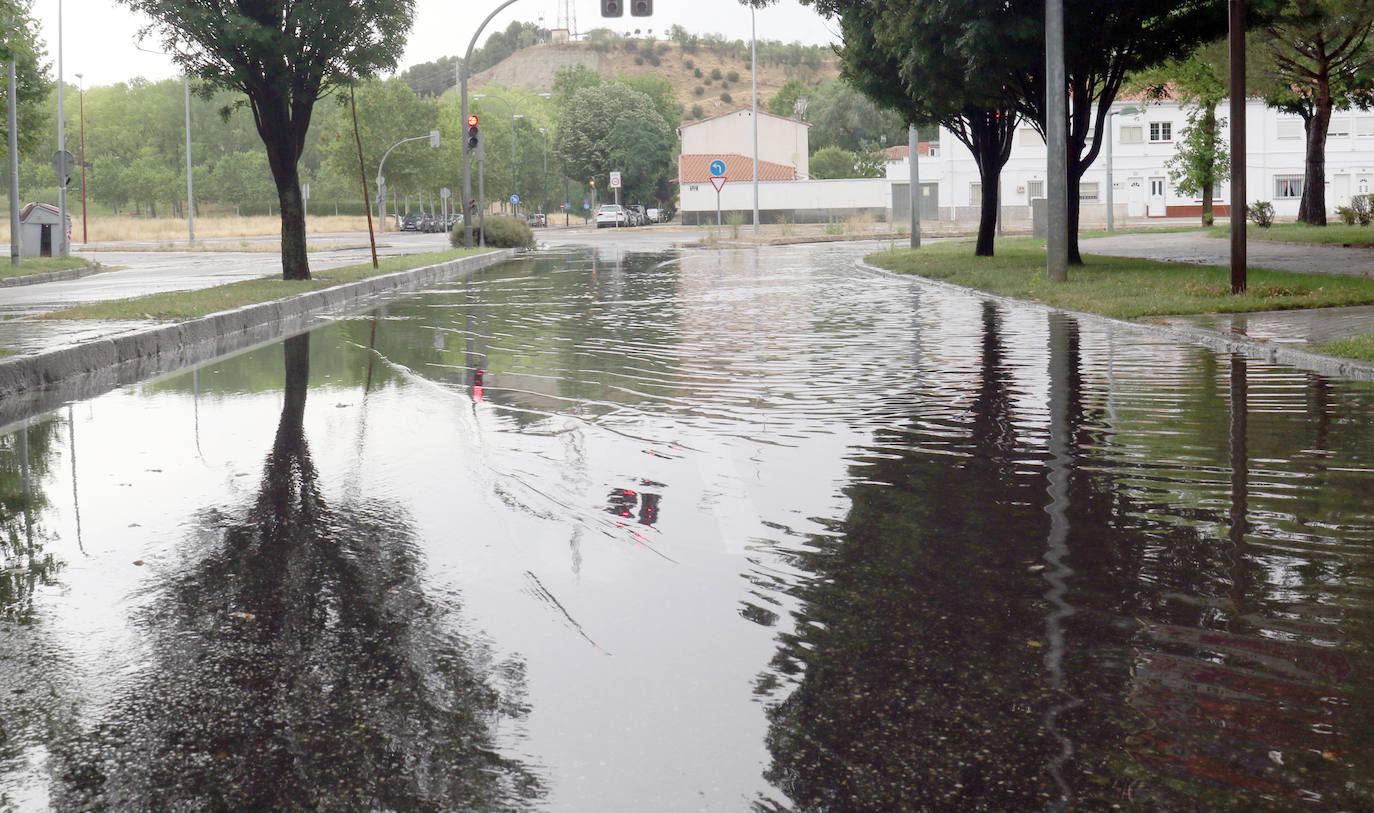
(179, 305)
(1334, 234)
(41, 265)
(1123, 287)
(1357, 347)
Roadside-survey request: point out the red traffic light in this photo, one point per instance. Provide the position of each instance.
(472, 120)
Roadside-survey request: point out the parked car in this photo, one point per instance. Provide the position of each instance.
(651, 215)
(410, 222)
(536, 219)
(611, 214)
(637, 216)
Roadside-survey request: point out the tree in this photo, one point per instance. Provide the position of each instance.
(841, 116)
(1315, 57)
(834, 162)
(1103, 44)
(1202, 82)
(24, 48)
(784, 102)
(283, 57)
(388, 111)
(584, 145)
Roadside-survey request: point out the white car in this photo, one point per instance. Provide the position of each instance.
(652, 215)
(611, 214)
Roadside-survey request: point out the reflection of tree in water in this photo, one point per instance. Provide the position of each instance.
(299, 666)
(917, 673)
(25, 461)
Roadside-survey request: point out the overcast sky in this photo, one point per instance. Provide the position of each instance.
(98, 36)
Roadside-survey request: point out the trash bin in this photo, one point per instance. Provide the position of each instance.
(38, 233)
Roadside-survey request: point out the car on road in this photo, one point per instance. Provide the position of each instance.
(410, 222)
(637, 216)
(611, 214)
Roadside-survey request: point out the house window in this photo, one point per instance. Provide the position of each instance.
(1161, 131)
(1339, 127)
(1132, 134)
(1288, 127)
(1087, 190)
(1035, 189)
(1364, 125)
(975, 194)
(1287, 186)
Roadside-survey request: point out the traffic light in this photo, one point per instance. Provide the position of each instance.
(642, 8)
(473, 133)
(611, 8)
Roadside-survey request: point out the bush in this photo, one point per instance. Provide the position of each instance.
(639, 60)
(697, 112)
(689, 64)
(699, 90)
(733, 76)
(715, 73)
(631, 45)
(1361, 208)
(502, 232)
(654, 60)
(1346, 214)
(725, 97)
(1261, 212)
(697, 73)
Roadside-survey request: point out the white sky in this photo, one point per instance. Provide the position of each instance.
(99, 36)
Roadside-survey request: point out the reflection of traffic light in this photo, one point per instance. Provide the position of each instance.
(622, 502)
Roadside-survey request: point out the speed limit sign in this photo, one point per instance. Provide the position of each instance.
(615, 180)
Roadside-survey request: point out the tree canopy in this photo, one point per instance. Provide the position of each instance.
(283, 57)
(31, 77)
(602, 129)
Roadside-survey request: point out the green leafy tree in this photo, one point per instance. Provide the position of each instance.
(1313, 57)
(569, 80)
(388, 111)
(643, 156)
(833, 162)
(784, 102)
(842, 116)
(1200, 82)
(661, 91)
(584, 147)
(239, 178)
(25, 50)
(283, 57)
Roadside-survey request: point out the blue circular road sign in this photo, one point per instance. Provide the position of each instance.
(514, 198)
(717, 167)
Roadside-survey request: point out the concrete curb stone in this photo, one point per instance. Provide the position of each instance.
(1271, 352)
(38, 382)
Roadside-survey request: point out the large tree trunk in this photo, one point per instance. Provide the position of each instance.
(1075, 212)
(990, 176)
(294, 264)
(1312, 207)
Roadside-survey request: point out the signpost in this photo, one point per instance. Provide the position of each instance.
(718, 181)
(615, 184)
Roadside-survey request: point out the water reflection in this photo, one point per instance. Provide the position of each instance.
(295, 663)
(1013, 615)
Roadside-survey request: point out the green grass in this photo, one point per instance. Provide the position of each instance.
(39, 265)
(178, 305)
(1122, 287)
(1336, 233)
(1357, 347)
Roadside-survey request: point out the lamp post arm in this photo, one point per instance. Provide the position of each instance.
(463, 96)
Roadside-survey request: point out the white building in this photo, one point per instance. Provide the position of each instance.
(1144, 136)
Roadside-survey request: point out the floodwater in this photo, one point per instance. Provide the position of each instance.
(729, 531)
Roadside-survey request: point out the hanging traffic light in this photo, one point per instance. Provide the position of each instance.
(611, 8)
(642, 8)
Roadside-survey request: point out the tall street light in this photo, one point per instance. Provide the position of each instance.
(513, 146)
(61, 145)
(81, 91)
(190, 195)
(1111, 136)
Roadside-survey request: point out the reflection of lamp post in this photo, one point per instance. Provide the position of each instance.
(1111, 136)
(82, 107)
(513, 147)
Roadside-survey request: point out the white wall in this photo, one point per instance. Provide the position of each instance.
(850, 193)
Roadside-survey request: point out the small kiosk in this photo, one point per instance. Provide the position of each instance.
(38, 234)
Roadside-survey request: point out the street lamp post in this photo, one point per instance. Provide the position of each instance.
(1111, 136)
(543, 179)
(61, 145)
(433, 139)
(81, 90)
(190, 198)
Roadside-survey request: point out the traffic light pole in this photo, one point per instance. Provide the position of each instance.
(463, 92)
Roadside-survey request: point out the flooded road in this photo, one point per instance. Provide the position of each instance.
(698, 530)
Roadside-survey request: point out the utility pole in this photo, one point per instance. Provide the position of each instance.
(1056, 131)
(913, 140)
(1237, 53)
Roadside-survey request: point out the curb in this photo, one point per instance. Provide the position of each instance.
(49, 276)
(1270, 352)
(42, 381)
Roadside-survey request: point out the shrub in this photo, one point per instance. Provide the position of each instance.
(707, 80)
(502, 232)
(654, 60)
(1362, 210)
(699, 90)
(689, 64)
(1346, 214)
(697, 112)
(697, 73)
(725, 97)
(1261, 212)
(733, 76)
(639, 60)
(631, 45)
(715, 73)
